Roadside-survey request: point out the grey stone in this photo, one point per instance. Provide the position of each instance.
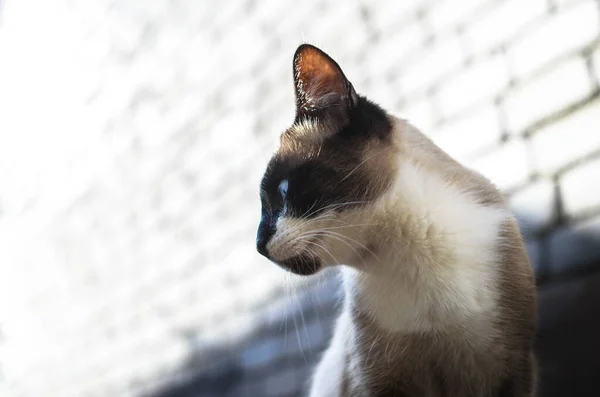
(574, 248)
(504, 21)
(530, 102)
(535, 206)
(568, 139)
(565, 31)
(580, 188)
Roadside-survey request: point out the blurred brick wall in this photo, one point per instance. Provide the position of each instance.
(134, 134)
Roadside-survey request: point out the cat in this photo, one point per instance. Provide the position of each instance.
(439, 293)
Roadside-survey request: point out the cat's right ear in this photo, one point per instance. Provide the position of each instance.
(320, 85)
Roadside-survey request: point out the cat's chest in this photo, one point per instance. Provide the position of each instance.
(416, 364)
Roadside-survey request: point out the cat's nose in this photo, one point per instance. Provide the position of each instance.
(261, 246)
(262, 238)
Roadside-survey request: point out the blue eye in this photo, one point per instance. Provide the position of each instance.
(282, 188)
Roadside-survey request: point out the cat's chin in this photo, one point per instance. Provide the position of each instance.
(301, 265)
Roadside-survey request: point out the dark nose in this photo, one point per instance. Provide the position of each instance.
(261, 247)
(262, 238)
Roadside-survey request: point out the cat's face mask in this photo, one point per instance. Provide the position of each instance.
(332, 165)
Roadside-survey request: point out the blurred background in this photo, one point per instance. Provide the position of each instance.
(133, 135)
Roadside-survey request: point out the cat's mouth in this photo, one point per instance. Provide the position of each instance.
(302, 265)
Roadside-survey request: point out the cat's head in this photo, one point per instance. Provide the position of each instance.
(332, 164)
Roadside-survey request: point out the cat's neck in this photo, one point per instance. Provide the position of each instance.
(435, 243)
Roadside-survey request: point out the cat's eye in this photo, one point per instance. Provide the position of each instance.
(282, 188)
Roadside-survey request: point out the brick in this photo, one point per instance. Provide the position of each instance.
(563, 3)
(479, 82)
(294, 20)
(501, 23)
(272, 12)
(419, 113)
(544, 95)
(578, 188)
(560, 34)
(568, 139)
(451, 12)
(228, 13)
(535, 206)
(596, 64)
(506, 167)
(332, 31)
(573, 248)
(384, 93)
(464, 137)
(434, 63)
(385, 56)
(243, 41)
(387, 14)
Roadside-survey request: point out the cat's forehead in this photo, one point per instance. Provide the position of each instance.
(312, 129)
(305, 138)
(334, 146)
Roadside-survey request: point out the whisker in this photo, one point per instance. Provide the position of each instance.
(299, 339)
(358, 166)
(326, 250)
(348, 226)
(308, 213)
(345, 242)
(312, 252)
(354, 241)
(307, 222)
(325, 216)
(337, 262)
(285, 313)
(304, 223)
(334, 206)
(370, 349)
(304, 323)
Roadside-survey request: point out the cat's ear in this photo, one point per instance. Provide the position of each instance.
(321, 87)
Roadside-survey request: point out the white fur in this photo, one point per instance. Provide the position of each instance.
(433, 264)
(311, 130)
(440, 268)
(328, 376)
(437, 268)
(305, 127)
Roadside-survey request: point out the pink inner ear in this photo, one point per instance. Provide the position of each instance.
(319, 81)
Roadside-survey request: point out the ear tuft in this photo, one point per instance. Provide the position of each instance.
(320, 84)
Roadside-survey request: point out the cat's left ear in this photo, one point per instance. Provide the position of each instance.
(320, 85)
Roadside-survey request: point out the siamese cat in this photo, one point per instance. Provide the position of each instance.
(439, 293)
